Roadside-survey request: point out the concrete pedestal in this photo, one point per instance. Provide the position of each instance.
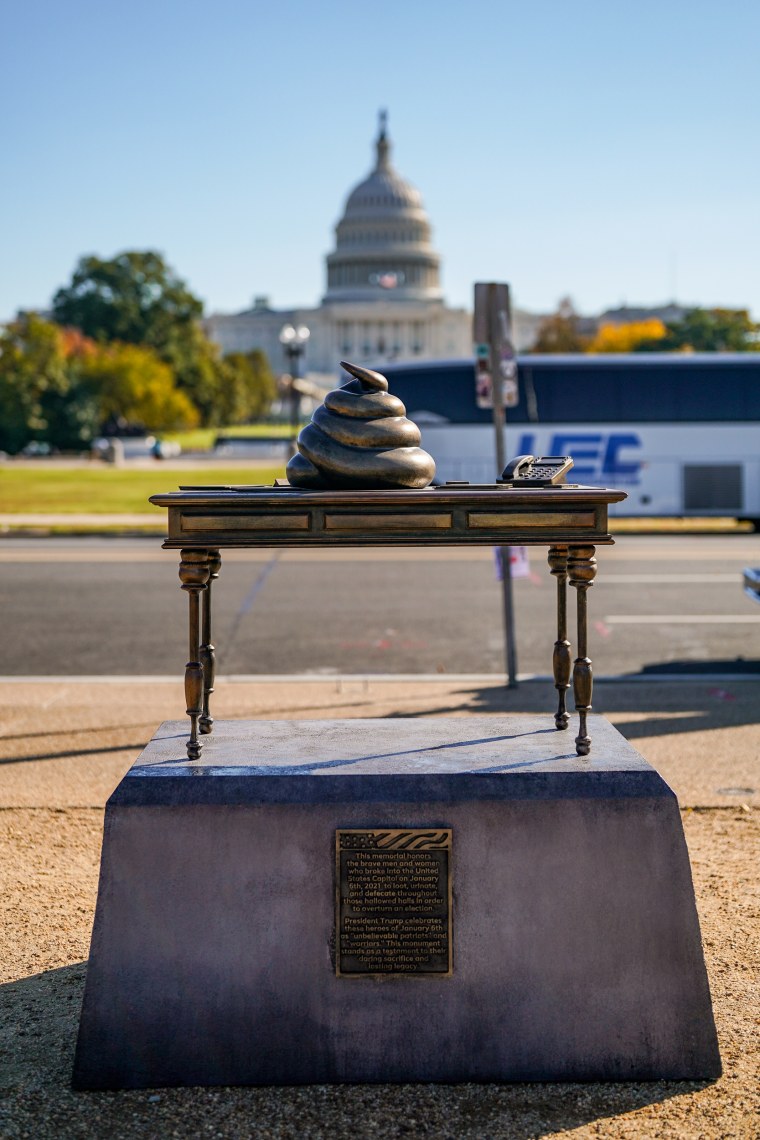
(576, 947)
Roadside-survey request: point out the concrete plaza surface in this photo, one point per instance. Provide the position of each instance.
(65, 745)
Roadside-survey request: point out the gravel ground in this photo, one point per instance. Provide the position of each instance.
(50, 860)
(64, 747)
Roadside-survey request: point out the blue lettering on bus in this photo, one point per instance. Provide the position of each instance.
(597, 457)
(585, 450)
(614, 466)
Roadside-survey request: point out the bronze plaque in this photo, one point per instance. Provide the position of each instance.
(393, 902)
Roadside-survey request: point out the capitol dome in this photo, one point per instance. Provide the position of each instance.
(383, 246)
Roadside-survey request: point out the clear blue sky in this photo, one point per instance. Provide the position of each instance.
(607, 151)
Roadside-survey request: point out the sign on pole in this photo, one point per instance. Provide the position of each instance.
(494, 350)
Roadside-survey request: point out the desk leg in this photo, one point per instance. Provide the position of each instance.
(561, 658)
(194, 574)
(582, 570)
(207, 654)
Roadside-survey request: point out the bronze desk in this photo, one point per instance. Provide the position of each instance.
(571, 521)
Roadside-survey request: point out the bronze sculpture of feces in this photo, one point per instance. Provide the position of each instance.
(360, 438)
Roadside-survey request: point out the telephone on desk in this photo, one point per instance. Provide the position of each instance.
(529, 471)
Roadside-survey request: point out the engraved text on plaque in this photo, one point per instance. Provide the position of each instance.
(393, 901)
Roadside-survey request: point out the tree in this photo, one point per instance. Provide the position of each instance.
(197, 366)
(560, 332)
(41, 392)
(130, 382)
(247, 387)
(134, 297)
(627, 337)
(59, 386)
(710, 330)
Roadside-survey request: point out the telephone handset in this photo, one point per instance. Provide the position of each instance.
(528, 471)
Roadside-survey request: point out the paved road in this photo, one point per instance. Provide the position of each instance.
(100, 607)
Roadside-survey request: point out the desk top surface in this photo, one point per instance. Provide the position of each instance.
(282, 495)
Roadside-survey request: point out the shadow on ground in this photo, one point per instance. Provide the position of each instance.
(100, 750)
(665, 707)
(733, 666)
(38, 1023)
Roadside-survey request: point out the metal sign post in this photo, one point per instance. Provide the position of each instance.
(496, 385)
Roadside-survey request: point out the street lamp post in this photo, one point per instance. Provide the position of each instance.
(294, 340)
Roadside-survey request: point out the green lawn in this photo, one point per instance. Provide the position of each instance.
(202, 439)
(105, 490)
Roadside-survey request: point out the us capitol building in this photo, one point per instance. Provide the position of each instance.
(383, 300)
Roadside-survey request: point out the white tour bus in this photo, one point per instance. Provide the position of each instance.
(679, 432)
